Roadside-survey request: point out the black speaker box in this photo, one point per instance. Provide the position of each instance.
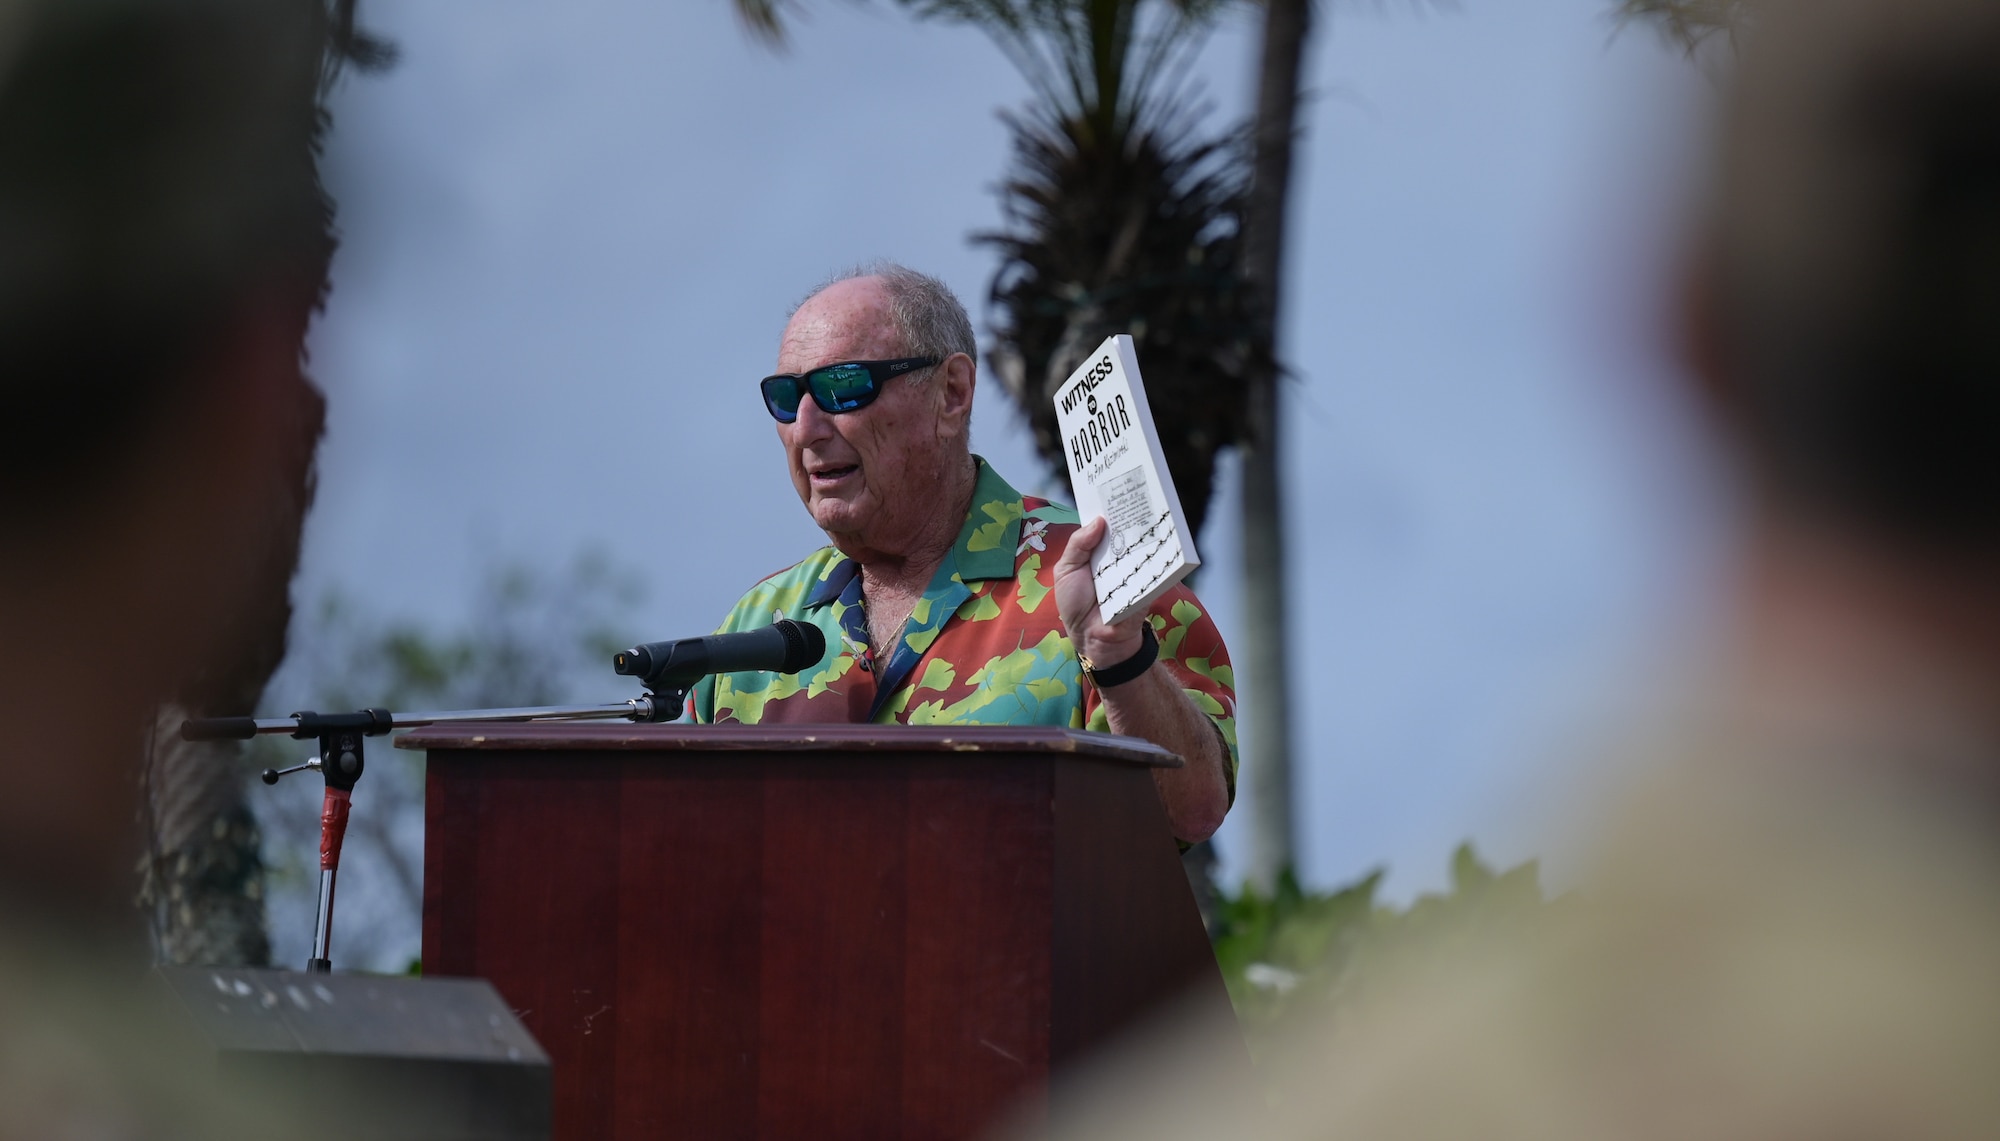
(370, 1057)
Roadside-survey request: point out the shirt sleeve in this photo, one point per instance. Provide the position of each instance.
(1191, 648)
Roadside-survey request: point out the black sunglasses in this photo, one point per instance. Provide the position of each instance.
(835, 388)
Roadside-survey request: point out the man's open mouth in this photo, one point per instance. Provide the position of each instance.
(832, 473)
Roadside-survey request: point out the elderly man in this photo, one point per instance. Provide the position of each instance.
(947, 597)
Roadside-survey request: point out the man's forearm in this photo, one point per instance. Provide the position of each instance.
(1152, 706)
(1155, 708)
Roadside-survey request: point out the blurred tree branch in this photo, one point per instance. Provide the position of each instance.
(533, 637)
(1689, 23)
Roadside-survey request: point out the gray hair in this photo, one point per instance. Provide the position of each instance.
(930, 321)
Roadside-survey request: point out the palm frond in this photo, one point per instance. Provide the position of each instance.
(1097, 58)
(763, 19)
(352, 45)
(1137, 233)
(1689, 23)
(1120, 217)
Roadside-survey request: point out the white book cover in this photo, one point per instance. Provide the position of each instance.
(1116, 470)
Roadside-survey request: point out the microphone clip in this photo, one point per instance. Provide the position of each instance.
(663, 702)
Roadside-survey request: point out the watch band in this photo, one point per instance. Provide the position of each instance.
(1107, 676)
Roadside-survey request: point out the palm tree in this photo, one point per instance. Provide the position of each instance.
(1268, 704)
(1120, 217)
(1268, 761)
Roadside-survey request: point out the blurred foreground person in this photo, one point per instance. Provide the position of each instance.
(1791, 929)
(163, 243)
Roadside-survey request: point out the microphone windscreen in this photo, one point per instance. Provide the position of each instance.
(805, 645)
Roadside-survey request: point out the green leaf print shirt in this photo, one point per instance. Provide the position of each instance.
(984, 645)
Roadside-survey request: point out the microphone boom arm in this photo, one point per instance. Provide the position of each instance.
(341, 762)
(374, 722)
(668, 670)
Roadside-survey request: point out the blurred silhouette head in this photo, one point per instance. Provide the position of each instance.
(158, 180)
(164, 241)
(1849, 296)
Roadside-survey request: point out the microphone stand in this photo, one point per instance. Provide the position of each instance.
(341, 761)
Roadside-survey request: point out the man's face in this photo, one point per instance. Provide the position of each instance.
(869, 477)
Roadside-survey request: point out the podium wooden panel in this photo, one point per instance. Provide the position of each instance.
(806, 931)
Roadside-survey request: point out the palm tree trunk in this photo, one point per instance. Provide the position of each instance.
(1268, 702)
(203, 875)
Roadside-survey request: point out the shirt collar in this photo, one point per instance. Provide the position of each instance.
(830, 585)
(991, 536)
(986, 546)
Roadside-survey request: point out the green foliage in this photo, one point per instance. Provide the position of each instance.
(533, 637)
(1294, 951)
(1268, 945)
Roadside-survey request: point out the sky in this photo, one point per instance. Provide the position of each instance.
(572, 233)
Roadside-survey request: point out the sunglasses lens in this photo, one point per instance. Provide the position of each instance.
(781, 397)
(842, 387)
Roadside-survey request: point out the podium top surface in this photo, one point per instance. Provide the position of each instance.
(627, 737)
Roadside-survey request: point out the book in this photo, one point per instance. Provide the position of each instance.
(1117, 470)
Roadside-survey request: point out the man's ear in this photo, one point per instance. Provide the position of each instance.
(955, 380)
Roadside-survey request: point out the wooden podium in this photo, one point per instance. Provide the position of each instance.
(822, 931)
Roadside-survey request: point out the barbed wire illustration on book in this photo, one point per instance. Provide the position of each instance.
(1160, 542)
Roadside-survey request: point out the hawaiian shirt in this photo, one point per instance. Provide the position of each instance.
(983, 646)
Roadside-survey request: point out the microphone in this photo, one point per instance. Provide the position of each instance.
(786, 647)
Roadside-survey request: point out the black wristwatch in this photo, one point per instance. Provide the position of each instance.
(1107, 676)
